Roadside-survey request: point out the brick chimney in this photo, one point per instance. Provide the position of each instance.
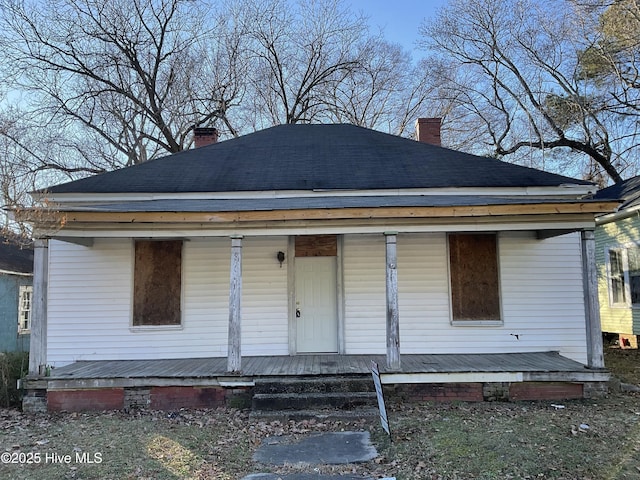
(204, 136)
(428, 130)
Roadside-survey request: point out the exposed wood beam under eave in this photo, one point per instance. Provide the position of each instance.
(574, 222)
(332, 214)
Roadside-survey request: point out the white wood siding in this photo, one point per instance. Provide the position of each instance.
(265, 321)
(90, 302)
(364, 274)
(541, 293)
(543, 296)
(424, 294)
(90, 293)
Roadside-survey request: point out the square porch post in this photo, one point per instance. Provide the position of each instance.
(234, 355)
(38, 340)
(595, 356)
(393, 323)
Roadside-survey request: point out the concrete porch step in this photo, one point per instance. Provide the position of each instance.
(320, 415)
(324, 384)
(312, 400)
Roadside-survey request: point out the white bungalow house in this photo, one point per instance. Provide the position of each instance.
(310, 249)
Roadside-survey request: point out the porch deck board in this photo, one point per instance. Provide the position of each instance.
(302, 365)
(270, 368)
(274, 367)
(258, 364)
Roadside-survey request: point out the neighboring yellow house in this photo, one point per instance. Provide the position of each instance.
(618, 259)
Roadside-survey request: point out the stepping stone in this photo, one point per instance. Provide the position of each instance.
(303, 476)
(331, 448)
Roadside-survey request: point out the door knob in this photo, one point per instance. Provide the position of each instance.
(298, 313)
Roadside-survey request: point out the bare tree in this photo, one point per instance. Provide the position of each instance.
(511, 69)
(317, 61)
(15, 171)
(124, 80)
(386, 91)
(299, 52)
(94, 86)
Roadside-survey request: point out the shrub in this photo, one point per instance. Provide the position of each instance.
(13, 366)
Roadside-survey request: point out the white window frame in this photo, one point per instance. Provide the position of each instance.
(626, 278)
(25, 307)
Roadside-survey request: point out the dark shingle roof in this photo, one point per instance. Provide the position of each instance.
(628, 191)
(15, 257)
(313, 157)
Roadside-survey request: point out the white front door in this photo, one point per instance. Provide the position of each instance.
(316, 313)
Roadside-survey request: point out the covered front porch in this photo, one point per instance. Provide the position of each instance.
(434, 368)
(205, 382)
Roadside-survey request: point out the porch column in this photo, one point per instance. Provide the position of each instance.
(595, 358)
(38, 341)
(393, 325)
(234, 355)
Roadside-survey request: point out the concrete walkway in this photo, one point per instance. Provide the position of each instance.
(334, 448)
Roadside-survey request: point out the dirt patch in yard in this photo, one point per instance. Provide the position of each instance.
(624, 364)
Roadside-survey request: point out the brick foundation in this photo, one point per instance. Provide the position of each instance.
(440, 392)
(545, 391)
(176, 397)
(156, 398)
(171, 398)
(85, 400)
(492, 392)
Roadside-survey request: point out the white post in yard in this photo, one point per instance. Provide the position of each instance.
(38, 341)
(595, 357)
(393, 324)
(234, 355)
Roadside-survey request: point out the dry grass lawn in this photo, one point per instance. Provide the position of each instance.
(524, 440)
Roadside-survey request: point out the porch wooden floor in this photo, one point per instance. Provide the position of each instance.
(303, 365)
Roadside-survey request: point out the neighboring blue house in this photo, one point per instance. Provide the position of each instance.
(16, 287)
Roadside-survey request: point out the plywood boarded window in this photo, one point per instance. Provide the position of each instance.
(316, 246)
(157, 283)
(475, 286)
